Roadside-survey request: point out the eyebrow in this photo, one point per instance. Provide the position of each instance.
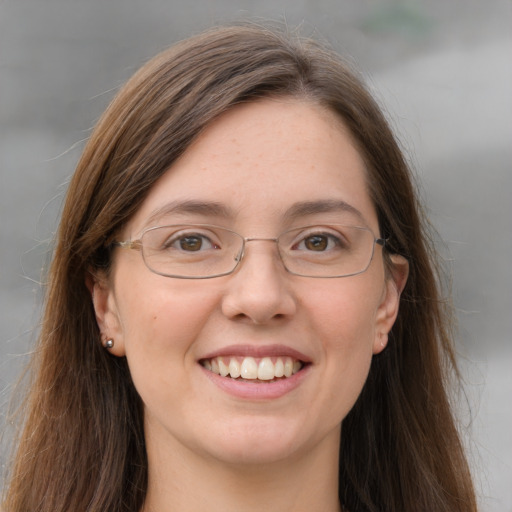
(216, 209)
(206, 208)
(305, 208)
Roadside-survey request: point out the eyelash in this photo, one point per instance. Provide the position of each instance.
(178, 239)
(336, 240)
(320, 239)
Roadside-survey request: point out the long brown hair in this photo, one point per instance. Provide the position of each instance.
(81, 447)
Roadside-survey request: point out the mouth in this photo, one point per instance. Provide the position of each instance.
(254, 369)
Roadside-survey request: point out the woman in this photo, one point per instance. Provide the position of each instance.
(243, 309)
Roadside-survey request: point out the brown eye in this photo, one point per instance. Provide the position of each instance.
(191, 243)
(316, 243)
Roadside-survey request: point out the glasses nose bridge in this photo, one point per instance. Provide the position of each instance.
(258, 239)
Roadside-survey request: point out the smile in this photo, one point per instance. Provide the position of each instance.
(266, 369)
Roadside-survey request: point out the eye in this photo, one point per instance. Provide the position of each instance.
(318, 242)
(190, 242)
(194, 243)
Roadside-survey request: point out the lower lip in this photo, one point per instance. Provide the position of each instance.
(257, 390)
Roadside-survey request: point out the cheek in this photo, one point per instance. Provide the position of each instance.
(159, 312)
(161, 321)
(345, 312)
(344, 319)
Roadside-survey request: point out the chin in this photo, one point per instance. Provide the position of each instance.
(257, 441)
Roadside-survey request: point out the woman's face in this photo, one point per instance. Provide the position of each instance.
(260, 169)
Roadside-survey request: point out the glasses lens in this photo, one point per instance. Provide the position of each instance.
(327, 250)
(193, 251)
(203, 251)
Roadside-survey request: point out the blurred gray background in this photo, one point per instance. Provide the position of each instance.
(442, 71)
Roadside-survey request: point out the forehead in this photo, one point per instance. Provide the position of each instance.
(260, 160)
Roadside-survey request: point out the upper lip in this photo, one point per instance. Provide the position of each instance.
(258, 351)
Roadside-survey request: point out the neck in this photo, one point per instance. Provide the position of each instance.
(184, 481)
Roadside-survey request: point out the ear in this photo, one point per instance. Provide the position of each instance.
(105, 308)
(390, 302)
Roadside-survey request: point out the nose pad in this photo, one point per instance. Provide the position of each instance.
(240, 255)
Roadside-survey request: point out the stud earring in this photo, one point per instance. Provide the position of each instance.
(109, 343)
(383, 339)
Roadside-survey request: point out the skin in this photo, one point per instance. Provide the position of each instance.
(205, 446)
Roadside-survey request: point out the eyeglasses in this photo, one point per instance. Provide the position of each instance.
(202, 251)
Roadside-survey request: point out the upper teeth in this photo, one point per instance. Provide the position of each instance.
(251, 368)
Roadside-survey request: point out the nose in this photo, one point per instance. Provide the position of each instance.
(259, 290)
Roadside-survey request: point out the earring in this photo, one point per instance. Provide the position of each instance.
(383, 339)
(109, 343)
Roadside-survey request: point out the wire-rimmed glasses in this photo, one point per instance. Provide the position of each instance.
(203, 251)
